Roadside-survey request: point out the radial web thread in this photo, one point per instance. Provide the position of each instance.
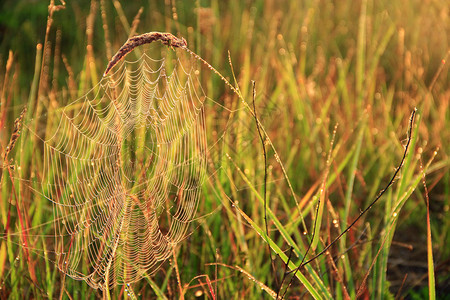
(123, 167)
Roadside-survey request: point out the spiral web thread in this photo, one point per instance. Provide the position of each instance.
(123, 168)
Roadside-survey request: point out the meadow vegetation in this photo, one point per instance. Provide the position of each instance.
(335, 85)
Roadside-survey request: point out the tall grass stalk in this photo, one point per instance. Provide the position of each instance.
(363, 66)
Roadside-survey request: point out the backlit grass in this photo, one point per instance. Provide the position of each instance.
(362, 66)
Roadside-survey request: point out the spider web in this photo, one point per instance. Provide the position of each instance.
(123, 167)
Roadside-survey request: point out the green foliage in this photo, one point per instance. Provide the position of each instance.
(362, 65)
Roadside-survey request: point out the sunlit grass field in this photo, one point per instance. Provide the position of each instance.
(335, 86)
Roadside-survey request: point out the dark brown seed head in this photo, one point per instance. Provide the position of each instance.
(167, 39)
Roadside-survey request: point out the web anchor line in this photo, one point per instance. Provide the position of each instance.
(123, 167)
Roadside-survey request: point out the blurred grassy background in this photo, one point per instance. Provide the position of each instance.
(362, 64)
